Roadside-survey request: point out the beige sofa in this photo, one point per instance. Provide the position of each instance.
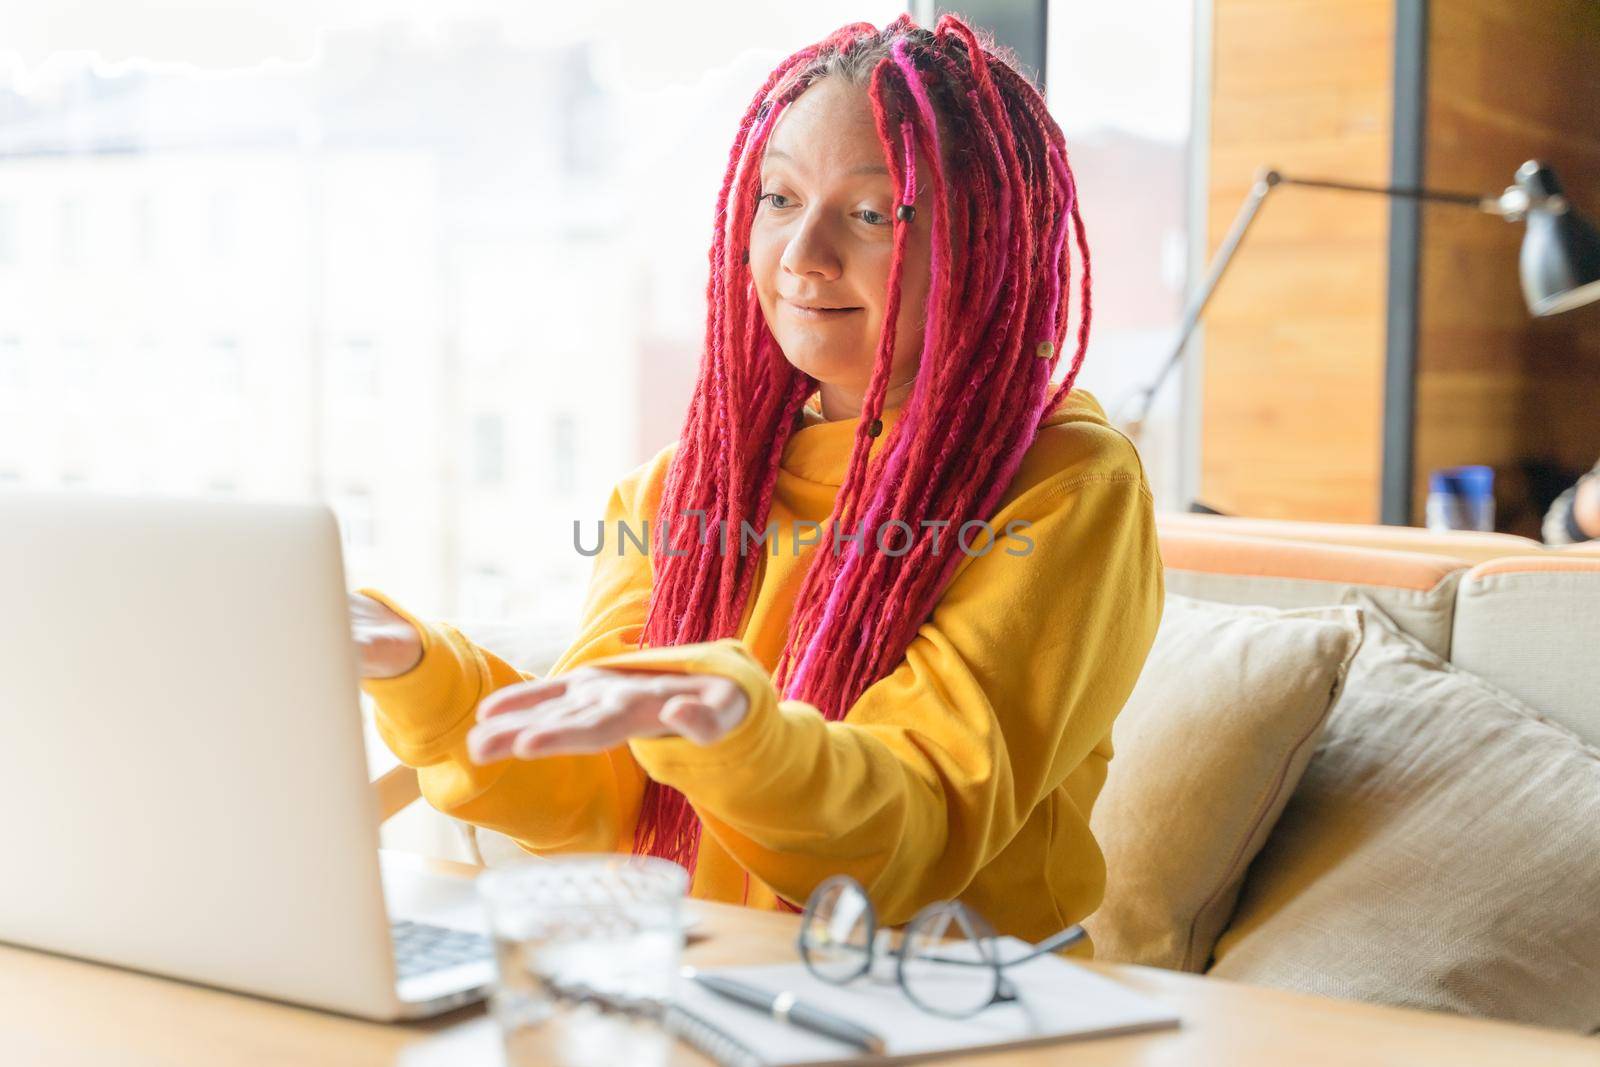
(1443, 847)
(1523, 616)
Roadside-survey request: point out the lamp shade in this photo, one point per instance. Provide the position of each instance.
(1560, 262)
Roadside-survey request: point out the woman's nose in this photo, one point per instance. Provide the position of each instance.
(811, 251)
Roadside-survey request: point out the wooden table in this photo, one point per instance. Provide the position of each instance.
(58, 1012)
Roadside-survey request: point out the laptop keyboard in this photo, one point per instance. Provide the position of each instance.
(421, 947)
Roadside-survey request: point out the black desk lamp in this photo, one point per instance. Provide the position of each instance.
(1560, 262)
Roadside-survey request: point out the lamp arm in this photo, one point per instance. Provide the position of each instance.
(1493, 205)
(1196, 304)
(1509, 206)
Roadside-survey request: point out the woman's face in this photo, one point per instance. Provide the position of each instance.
(823, 237)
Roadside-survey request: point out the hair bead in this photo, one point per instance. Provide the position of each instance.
(876, 428)
(1045, 350)
(905, 212)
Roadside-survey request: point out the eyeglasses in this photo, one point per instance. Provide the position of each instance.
(948, 961)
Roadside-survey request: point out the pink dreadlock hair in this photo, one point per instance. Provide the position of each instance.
(997, 315)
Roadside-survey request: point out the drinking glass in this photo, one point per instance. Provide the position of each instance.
(588, 950)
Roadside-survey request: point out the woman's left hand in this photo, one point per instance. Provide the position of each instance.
(592, 709)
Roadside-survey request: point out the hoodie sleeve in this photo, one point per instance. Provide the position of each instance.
(564, 803)
(1015, 677)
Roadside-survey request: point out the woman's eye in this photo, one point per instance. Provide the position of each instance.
(870, 217)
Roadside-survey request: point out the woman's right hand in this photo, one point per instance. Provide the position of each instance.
(386, 645)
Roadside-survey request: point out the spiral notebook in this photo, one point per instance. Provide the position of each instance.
(1058, 1000)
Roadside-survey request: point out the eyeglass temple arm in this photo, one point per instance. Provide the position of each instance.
(1066, 938)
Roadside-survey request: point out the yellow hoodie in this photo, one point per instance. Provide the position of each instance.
(969, 771)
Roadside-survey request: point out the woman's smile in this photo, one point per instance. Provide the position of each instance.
(819, 314)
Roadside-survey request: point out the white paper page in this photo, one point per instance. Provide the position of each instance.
(1058, 999)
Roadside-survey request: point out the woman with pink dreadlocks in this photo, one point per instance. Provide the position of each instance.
(898, 582)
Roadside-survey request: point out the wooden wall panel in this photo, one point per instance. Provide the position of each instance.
(1292, 389)
(1507, 81)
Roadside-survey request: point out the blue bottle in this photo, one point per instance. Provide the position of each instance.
(1461, 498)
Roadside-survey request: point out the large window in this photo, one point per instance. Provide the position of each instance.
(455, 257)
(1119, 84)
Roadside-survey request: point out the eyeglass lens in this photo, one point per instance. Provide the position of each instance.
(836, 932)
(949, 963)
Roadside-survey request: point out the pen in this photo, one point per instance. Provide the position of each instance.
(785, 1008)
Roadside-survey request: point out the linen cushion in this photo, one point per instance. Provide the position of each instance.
(1440, 852)
(1206, 751)
(1531, 625)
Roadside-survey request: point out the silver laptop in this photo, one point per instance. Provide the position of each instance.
(183, 782)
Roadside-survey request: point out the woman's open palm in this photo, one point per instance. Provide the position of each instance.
(592, 709)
